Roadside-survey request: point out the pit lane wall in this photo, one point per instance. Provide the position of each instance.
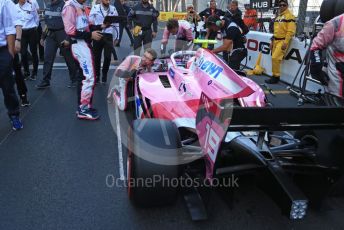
(260, 42)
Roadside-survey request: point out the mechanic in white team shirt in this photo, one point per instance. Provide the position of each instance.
(29, 10)
(110, 34)
(19, 21)
(7, 51)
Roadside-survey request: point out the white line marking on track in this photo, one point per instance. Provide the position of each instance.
(119, 142)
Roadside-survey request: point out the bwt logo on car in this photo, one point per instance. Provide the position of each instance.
(84, 66)
(209, 67)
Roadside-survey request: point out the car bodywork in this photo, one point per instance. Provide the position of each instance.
(223, 120)
(174, 94)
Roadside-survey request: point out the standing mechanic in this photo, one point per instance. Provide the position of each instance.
(234, 13)
(55, 37)
(193, 18)
(123, 25)
(250, 17)
(127, 69)
(205, 14)
(143, 15)
(331, 38)
(211, 11)
(233, 9)
(39, 45)
(233, 39)
(110, 34)
(182, 29)
(19, 21)
(284, 30)
(29, 8)
(76, 25)
(7, 51)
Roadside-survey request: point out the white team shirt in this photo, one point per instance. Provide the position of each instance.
(7, 26)
(29, 14)
(97, 15)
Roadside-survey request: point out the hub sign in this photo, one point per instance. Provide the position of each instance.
(260, 4)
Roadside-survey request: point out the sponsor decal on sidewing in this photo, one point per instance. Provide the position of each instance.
(209, 67)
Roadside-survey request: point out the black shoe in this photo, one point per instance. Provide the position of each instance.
(33, 76)
(104, 78)
(24, 101)
(43, 85)
(118, 45)
(26, 75)
(97, 80)
(273, 80)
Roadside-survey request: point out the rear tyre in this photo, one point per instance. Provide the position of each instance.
(339, 9)
(151, 183)
(327, 10)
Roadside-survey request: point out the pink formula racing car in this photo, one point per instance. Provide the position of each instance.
(197, 122)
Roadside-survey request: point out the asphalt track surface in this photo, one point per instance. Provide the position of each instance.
(53, 175)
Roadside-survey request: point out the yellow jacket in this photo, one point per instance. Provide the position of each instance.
(284, 26)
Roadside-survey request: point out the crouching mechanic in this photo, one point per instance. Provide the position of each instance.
(331, 38)
(183, 30)
(76, 25)
(233, 40)
(131, 66)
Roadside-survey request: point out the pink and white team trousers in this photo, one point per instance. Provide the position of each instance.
(82, 53)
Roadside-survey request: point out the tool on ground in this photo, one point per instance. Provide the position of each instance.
(268, 89)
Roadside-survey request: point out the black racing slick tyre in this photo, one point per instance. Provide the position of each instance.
(330, 9)
(339, 9)
(327, 10)
(152, 162)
